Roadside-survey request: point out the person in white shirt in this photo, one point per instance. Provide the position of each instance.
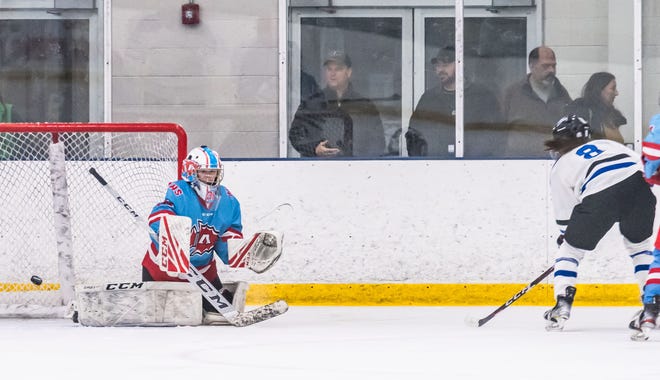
(595, 184)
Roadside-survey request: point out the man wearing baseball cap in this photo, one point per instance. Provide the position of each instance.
(337, 120)
(338, 57)
(432, 128)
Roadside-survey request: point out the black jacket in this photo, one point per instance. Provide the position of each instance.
(432, 128)
(599, 116)
(352, 124)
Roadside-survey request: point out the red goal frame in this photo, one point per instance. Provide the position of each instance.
(55, 128)
(52, 186)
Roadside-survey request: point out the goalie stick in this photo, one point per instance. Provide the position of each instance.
(209, 292)
(482, 321)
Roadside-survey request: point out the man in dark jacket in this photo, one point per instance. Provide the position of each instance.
(432, 130)
(533, 105)
(337, 121)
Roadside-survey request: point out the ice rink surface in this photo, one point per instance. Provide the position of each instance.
(339, 343)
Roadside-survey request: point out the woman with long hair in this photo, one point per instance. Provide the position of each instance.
(597, 107)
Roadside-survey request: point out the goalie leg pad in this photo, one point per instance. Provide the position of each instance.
(139, 304)
(212, 317)
(239, 290)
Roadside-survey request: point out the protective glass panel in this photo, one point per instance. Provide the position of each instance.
(365, 118)
(650, 62)
(44, 70)
(494, 58)
(592, 49)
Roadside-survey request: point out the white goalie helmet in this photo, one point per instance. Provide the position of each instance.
(204, 171)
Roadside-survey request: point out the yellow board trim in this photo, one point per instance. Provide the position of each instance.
(395, 294)
(26, 287)
(436, 294)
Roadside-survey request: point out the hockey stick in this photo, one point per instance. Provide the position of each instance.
(482, 321)
(209, 292)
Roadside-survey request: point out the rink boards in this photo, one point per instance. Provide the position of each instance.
(406, 232)
(426, 232)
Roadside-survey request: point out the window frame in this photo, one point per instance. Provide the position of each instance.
(291, 96)
(412, 62)
(98, 46)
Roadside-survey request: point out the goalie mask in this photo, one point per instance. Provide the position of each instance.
(203, 169)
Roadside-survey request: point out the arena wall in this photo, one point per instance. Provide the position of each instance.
(414, 232)
(382, 232)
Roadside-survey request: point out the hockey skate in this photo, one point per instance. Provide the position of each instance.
(645, 320)
(559, 314)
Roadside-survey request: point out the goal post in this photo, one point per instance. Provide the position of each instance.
(59, 224)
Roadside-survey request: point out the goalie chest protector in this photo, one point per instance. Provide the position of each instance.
(139, 304)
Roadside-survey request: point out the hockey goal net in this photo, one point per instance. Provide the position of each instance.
(59, 224)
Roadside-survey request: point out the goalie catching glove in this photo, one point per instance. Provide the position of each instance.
(259, 253)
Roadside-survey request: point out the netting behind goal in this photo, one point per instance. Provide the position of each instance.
(58, 222)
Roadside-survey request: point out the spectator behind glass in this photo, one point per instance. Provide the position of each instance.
(596, 106)
(532, 106)
(432, 128)
(337, 121)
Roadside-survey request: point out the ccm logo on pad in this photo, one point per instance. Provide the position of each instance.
(124, 285)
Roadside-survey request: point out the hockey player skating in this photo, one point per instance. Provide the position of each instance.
(595, 184)
(645, 320)
(216, 219)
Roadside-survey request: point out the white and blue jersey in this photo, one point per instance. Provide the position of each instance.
(211, 228)
(595, 186)
(589, 169)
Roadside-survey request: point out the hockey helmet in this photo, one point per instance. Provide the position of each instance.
(571, 127)
(204, 159)
(204, 171)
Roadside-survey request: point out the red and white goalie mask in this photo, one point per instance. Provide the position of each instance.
(203, 169)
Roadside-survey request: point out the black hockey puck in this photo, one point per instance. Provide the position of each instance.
(36, 280)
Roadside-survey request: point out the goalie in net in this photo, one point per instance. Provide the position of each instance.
(216, 231)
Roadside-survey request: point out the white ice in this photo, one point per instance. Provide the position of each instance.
(339, 343)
